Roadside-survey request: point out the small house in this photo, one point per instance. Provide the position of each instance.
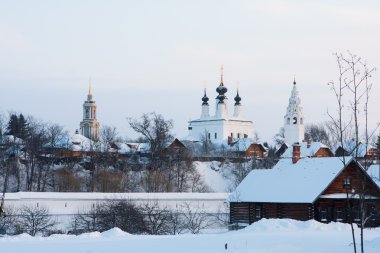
(303, 189)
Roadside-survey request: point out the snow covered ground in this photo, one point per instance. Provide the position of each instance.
(264, 236)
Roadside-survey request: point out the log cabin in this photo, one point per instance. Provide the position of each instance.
(322, 188)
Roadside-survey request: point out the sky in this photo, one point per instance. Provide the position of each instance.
(157, 56)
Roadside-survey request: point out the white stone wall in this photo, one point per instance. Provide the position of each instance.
(222, 127)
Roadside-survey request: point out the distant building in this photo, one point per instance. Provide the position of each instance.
(89, 127)
(220, 126)
(294, 129)
(308, 149)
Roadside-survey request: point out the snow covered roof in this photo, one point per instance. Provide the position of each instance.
(374, 172)
(5, 139)
(301, 182)
(350, 148)
(305, 151)
(80, 143)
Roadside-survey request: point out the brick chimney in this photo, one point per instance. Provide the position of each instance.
(296, 152)
(309, 143)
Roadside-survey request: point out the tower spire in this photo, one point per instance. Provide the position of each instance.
(221, 75)
(89, 96)
(89, 88)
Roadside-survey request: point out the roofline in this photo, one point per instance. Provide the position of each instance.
(348, 163)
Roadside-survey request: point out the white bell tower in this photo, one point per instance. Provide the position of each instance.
(294, 129)
(90, 126)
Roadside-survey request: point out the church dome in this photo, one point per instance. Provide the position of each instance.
(205, 99)
(221, 89)
(237, 99)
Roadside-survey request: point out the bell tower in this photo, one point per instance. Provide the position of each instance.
(89, 126)
(294, 129)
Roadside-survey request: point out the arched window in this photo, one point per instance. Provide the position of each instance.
(294, 120)
(215, 136)
(288, 121)
(239, 135)
(301, 121)
(209, 136)
(232, 135)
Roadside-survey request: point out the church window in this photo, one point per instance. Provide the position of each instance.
(216, 136)
(94, 113)
(294, 120)
(209, 136)
(87, 113)
(238, 135)
(301, 121)
(288, 121)
(232, 135)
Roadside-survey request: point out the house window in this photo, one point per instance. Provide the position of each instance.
(346, 181)
(258, 214)
(323, 213)
(338, 214)
(216, 136)
(356, 213)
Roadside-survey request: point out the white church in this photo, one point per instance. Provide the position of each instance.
(220, 125)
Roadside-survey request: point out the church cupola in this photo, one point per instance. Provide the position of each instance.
(205, 98)
(221, 106)
(294, 129)
(205, 106)
(237, 106)
(237, 98)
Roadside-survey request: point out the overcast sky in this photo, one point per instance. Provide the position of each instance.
(146, 56)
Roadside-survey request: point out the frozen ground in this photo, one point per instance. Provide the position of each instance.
(265, 236)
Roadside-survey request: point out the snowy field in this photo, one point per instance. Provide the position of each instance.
(265, 236)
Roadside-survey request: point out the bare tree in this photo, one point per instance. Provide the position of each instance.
(154, 128)
(156, 219)
(88, 220)
(195, 219)
(34, 220)
(8, 222)
(354, 80)
(317, 132)
(108, 136)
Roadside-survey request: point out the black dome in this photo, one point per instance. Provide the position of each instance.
(237, 99)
